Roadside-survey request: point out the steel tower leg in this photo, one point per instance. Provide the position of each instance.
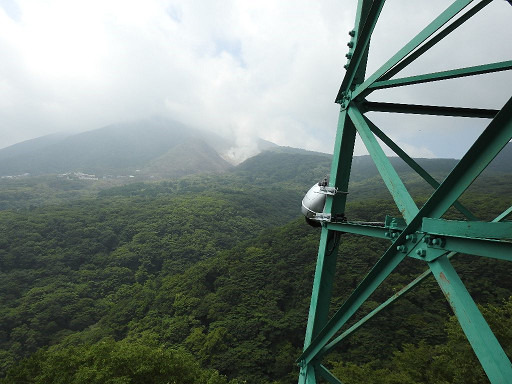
(421, 233)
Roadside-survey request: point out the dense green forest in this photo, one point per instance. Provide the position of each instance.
(206, 279)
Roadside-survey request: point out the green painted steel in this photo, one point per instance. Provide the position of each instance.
(497, 134)
(479, 229)
(341, 164)
(324, 372)
(415, 166)
(328, 249)
(307, 374)
(505, 214)
(324, 273)
(359, 229)
(435, 25)
(395, 297)
(359, 56)
(370, 315)
(487, 348)
(435, 39)
(386, 264)
(495, 249)
(421, 234)
(396, 187)
(433, 110)
(444, 75)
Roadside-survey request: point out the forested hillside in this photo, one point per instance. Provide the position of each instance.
(119, 149)
(206, 279)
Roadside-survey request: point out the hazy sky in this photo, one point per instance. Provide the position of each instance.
(242, 68)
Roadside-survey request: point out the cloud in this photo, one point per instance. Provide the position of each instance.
(245, 69)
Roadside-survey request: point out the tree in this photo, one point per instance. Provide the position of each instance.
(111, 362)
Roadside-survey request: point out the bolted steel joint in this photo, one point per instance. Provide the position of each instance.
(346, 97)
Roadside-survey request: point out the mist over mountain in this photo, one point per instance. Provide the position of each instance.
(159, 148)
(30, 146)
(154, 147)
(188, 157)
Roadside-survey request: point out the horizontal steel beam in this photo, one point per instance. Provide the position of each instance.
(444, 75)
(495, 249)
(358, 229)
(372, 106)
(491, 249)
(478, 229)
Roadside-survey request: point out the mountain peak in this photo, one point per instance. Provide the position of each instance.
(150, 144)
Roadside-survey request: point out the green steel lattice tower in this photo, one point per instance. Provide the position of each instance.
(421, 233)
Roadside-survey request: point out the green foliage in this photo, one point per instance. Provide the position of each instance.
(218, 266)
(111, 362)
(65, 268)
(453, 362)
(30, 192)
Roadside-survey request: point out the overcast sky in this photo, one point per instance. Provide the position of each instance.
(240, 68)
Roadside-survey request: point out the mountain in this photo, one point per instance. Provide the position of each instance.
(189, 157)
(121, 149)
(159, 148)
(28, 147)
(503, 162)
(302, 166)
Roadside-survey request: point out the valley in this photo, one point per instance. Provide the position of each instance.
(211, 273)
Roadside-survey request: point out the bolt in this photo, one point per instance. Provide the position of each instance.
(345, 66)
(348, 55)
(411, 237)
(387, 234)
(352, 33)
(350, 44)
(402, 248)
(421, 252)
(439, 242)
(395, 235)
